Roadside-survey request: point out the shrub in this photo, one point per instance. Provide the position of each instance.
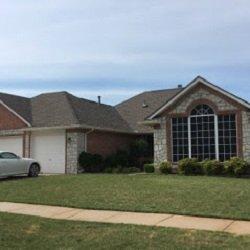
(166, 167)
(90, 163)
(120, 158)
(139, 148)
(108, 170)
(229, 169)
(190, 166)
(117, 170)
(130, 170)
(236, 166)
(213, 167)
(149, 168)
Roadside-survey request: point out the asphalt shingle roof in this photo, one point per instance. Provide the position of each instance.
(63, 109)
(19, 104)
(139, 107)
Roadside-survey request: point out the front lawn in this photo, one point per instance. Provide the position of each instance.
(27, 232)
(201, 195)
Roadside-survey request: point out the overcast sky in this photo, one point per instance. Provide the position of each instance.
(120, 48)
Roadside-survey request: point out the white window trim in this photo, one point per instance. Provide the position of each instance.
(216, 131)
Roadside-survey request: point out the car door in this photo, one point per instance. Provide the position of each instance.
(11, 163)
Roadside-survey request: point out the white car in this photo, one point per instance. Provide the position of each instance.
(11, 164)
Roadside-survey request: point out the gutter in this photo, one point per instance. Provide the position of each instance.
(77, 126)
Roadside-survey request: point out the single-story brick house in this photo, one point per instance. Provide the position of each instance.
(200, 120)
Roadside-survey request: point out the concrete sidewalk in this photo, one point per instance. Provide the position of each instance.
(149, 219)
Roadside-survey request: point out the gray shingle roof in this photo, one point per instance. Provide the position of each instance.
(52, 109)
(139, 107)
(63, 109)
(97, 115)
(19, 104)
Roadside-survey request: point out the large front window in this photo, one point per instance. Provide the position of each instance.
(204, 135)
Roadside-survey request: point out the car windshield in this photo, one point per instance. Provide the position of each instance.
(7, 155)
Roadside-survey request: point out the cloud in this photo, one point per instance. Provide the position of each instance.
(131, 44)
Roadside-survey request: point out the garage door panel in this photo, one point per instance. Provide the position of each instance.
(12, 144)
(48, 149)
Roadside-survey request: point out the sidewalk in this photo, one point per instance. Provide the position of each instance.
(148, 219)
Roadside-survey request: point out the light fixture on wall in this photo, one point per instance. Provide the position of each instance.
(69, 139)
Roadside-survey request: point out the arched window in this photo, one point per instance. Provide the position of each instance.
(202, 110)
(204, 135)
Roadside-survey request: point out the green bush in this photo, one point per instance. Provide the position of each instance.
(108, 170)
(90, 163)
(166, 167)
(149, 168)
(213, 167)
(120, 158)
(190, 166)
(130, 170)
(139, 148)
(236, 166)
(117, 170)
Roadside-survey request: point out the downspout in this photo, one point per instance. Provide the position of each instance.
(86, 138)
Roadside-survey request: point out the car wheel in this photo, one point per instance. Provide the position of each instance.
(34, 170)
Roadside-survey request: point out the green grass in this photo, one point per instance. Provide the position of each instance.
(198, 196)
(27, 232)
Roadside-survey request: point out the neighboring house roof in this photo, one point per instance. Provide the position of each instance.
(192, 84)
(139, 107)
(19, 104)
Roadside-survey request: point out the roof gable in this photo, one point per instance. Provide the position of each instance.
(17, 105)
(191, 85)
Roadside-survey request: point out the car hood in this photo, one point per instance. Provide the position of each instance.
(28, 159)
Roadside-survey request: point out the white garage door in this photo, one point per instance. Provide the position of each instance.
(48, 148)
(12, 144)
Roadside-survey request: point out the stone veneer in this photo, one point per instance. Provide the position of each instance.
(26, 144)
(203, 94)
(246, 135)
(160, 142)
(75, 144)
(160, 134)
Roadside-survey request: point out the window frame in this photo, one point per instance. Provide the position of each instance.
(216, 133)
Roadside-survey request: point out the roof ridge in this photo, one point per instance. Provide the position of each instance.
(158, 90)
(144, 92)
(9, 94)
(67, 95)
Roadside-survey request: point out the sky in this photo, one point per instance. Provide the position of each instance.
(117, 49)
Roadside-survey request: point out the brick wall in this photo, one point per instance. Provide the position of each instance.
(9, 121)
(106, 143)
